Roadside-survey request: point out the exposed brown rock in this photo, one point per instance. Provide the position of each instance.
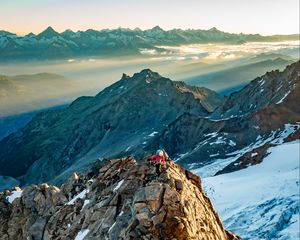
(126, 200)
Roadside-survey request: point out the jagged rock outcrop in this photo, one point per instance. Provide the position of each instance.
(122, 200)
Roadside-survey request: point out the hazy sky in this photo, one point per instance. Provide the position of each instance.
(248, 16)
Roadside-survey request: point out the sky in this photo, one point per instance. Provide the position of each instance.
(266, 17)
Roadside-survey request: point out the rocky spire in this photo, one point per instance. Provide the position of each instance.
(147, 75)
(49, 32)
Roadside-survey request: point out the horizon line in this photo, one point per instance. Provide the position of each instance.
(142, 29)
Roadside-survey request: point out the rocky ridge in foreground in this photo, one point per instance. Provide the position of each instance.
(122, 199)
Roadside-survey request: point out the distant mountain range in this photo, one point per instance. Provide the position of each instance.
(31, 92)
(50, 44)
(13, 85)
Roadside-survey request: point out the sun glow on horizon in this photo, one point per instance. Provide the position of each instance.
(234, 16)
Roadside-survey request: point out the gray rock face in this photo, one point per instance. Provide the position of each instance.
(119, 118)
(196, 140)
(263, 91)
(27, 216)
(122, 200)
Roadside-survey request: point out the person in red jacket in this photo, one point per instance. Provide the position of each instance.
(159, 160)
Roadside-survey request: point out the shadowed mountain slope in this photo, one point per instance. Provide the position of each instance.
(120, 117)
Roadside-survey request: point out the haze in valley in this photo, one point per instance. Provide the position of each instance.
(209, 65)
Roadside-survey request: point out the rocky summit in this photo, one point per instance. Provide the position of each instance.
(121, 199)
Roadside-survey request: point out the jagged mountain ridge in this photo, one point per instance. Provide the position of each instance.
(119, 118)
(50, 44)
(121, 200)
(277, 84)
(256, 115)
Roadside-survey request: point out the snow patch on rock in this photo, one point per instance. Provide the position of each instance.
(118, 185)
(82, 234)
(81, 195)
(14, 195)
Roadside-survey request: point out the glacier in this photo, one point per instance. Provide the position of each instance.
(261, 201)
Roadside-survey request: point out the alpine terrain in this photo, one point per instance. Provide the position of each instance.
(234, 143)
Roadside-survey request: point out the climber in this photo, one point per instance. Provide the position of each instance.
(167, 158)
(159, 160)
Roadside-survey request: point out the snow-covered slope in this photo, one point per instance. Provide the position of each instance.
(276, 137)
(261, 201)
